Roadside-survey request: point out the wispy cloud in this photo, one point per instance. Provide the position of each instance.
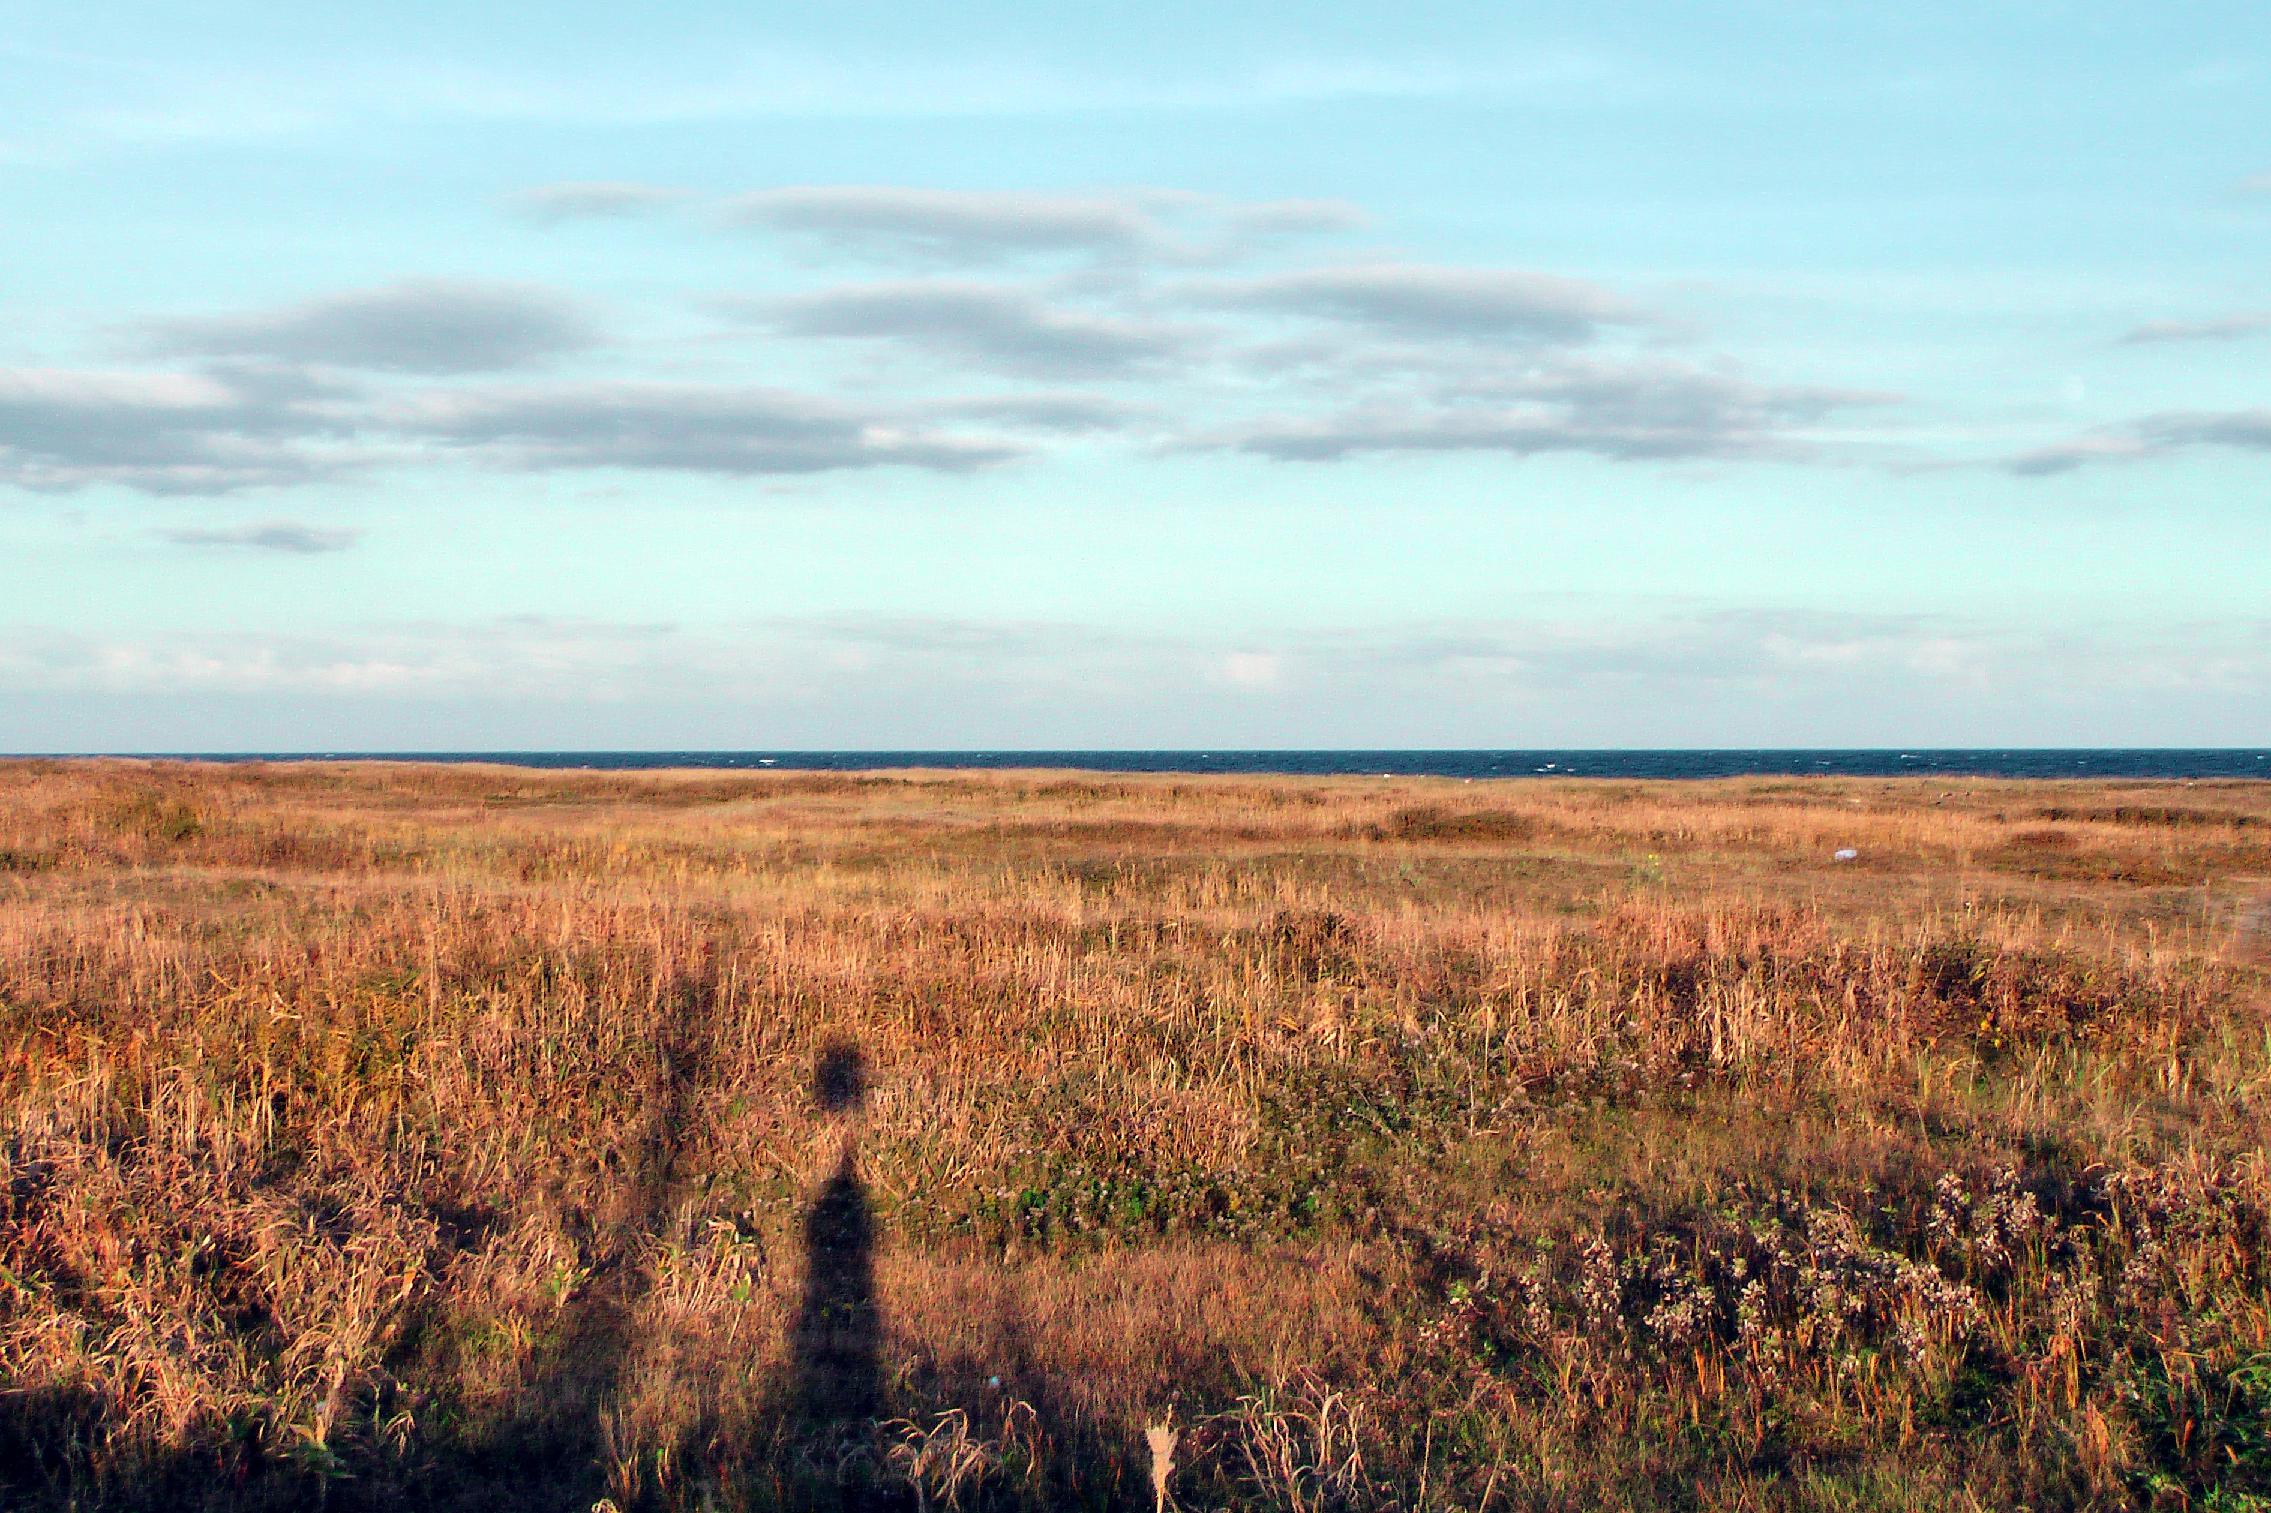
(970, 227)
(214, 431)
(2151, 436)
(227, 428)
(1434, 301)
(1064, 413)
(550, 204)
(426, 326)
(1312, 361)
(950, 225)
(686, 428)
(510, 656)
(2066, 456)
(2221, 328)
(1298, 217)
(1624, 411)
(987, 324)
(271, 536)
(1752, 674)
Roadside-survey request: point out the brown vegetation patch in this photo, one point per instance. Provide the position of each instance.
(466, 1137)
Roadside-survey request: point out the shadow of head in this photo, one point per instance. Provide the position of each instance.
(839, 1078)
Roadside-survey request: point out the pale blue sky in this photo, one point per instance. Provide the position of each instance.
(1044, 375)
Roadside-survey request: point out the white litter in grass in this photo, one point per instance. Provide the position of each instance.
(1846, 854)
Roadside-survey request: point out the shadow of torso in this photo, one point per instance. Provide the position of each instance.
(836, 1358)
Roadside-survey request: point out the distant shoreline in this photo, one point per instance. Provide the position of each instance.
(2139, 763)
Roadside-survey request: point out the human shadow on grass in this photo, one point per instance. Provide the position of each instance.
(832, 1391)
(821, 1444)
(836, 1353)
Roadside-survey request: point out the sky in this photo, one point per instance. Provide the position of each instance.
(427, 376)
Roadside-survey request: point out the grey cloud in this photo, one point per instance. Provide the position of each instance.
(550, 204)
(991, 641)
(1675, 396)
(429, 326)
(1399, 393)
(687, 428)
(2247, 429)
(953, 225)
(967, 226)
(1048, 412)
(2224, 328)
(224, 429)
(273, 536)
(2065, 457)
(209, 432)
(1433, 301)
(1517, 432)
(982, 323)
(2152, 436)
(1626, 412)
(1299, 217)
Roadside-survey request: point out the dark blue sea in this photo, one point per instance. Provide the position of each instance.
(2077, 762)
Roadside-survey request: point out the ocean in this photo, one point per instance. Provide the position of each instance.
(2054, 762)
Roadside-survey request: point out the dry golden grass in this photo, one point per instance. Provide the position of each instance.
(453, 1136)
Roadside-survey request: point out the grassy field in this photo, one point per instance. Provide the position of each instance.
(483, 1138)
